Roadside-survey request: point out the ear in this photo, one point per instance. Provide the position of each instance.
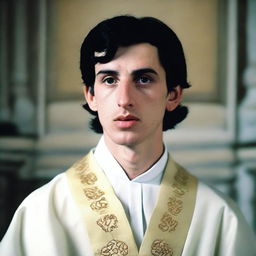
(174, 98)
(90, 98)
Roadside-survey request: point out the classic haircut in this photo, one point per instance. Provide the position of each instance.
(102, 42)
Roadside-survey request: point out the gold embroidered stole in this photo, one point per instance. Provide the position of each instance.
(106, 222)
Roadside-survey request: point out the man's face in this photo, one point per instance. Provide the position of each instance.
(130, 95)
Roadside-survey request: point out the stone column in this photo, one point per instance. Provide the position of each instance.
(4, 83)
(41, 83)
(247, 111)
(246, 185)
(23, 115)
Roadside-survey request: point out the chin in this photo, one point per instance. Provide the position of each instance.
(128, 140)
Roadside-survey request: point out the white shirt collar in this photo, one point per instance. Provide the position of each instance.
(113, 170)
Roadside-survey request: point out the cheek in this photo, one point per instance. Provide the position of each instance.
(104, 111)
(155, 111)
(98, 99)
(102, 96)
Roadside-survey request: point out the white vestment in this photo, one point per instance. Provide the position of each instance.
(48, 222)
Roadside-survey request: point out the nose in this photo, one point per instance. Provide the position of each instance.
(125, 97)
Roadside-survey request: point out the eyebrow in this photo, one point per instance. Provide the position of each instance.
(142, 71)
(108, 72)
(135, 73)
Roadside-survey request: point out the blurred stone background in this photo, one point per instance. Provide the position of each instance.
(43, 128)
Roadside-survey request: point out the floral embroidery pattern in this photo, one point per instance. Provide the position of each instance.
(180, 183)
(108, 222)
(181, 177)
(175, 206)
(168, 222)
(88, 179)
(161, 248)
(115, 248)
(99, 204)
(81, 165)
(93, 193)
(97, 200)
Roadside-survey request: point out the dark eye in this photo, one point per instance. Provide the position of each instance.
(144, 80)
(109, 80)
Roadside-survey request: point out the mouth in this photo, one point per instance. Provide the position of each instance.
(126, 121)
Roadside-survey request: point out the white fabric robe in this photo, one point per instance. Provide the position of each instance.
(138, 196)
(48, 223)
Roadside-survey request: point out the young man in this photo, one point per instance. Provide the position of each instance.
(127, 196)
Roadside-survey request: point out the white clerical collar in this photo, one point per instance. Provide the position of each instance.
(113, 170)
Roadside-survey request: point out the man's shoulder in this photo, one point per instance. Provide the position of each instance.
(208, 196)
(46, 193)
(218, 223)
(213, 200)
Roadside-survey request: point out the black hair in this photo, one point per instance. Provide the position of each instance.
(102, 42)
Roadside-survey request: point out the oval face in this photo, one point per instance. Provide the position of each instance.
(130, 95)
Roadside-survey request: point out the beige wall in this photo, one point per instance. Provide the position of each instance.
(194, 21)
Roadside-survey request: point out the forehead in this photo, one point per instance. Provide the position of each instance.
(133, 57)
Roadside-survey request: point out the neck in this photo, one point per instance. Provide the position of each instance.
(138, 159)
